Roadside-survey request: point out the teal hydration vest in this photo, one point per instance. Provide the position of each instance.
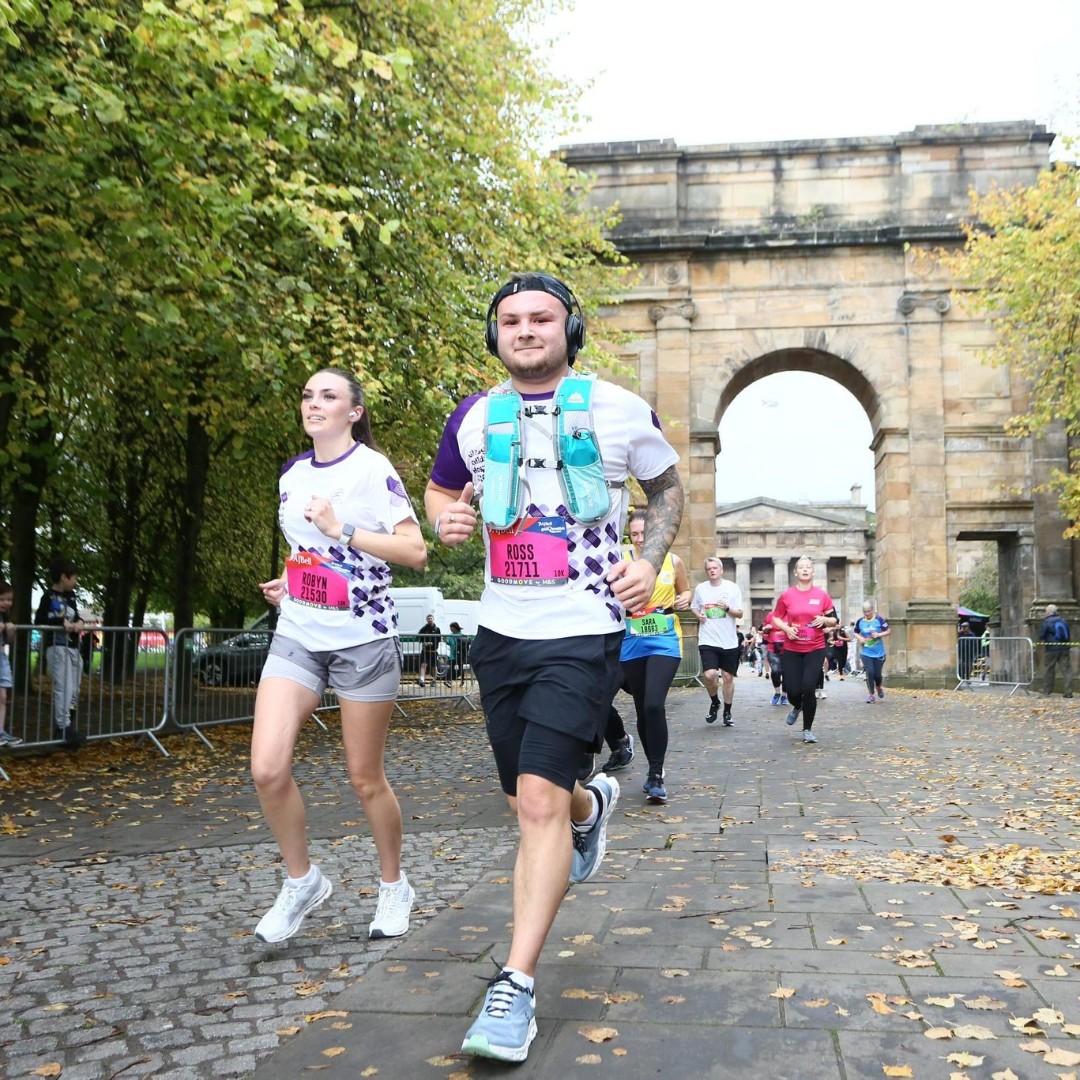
(574, 446)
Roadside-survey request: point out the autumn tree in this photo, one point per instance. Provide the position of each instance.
(1019, 267)
(204, 202)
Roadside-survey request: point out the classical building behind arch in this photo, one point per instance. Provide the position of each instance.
(809, 256)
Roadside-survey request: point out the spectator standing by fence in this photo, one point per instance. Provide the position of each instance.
(967, 647)
(430, 635)
(1054, 637)
(7, 683)
(59, 611)
(335, 628)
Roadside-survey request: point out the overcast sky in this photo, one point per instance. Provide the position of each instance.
(717, 71)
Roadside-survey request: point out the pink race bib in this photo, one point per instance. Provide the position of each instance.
(316, 581)
(537, 553)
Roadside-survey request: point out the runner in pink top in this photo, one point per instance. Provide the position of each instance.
(803, 613)
(774, 656)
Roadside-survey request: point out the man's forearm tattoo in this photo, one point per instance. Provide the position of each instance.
(662, 515)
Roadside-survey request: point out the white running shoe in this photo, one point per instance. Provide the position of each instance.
(393, 910)
(292, 905)
(809, 736)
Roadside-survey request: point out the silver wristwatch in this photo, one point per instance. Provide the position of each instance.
(347, 534)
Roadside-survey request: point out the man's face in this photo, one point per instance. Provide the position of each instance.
(69, 582)
(714, 571)
(532, 336)
(431, 620)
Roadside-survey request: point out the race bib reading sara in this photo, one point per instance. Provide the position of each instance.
(536, 553)
(317, 581)
(650, 623)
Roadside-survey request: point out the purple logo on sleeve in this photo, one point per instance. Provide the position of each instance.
(395, 487)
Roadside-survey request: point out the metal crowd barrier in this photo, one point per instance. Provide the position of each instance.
(1005, 661)
(216, 674)
(690, 666)
(122, 690)
(447, 673)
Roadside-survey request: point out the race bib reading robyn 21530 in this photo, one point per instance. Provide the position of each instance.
(318, 581)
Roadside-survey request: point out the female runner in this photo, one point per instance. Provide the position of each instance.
(345, 515)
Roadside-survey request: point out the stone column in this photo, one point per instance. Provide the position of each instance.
(697, 455)
(1053, 554)
(781, 575)
(742, 579)
(920, 526)
(854, 587)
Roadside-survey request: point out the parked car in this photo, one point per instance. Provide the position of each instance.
(236, 661)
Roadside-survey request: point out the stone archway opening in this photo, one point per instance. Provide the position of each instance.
(788, 509)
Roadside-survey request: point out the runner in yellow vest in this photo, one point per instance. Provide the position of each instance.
(651, 653)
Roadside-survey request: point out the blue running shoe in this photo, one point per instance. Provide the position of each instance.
(776, 699)
(589, 847)
(783, 699)
(791, 717)
(655, 792)
(506, 1024)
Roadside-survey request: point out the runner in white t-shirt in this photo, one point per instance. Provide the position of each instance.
(345, 515)
(552, 615)
(718, 605)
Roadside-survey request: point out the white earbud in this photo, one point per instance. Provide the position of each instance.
(353, 416)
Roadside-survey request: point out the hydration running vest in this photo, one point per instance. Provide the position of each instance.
(574, 445)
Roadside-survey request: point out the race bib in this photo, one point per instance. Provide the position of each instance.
(650, 624)
(316, 581)
(714, 611)
(536, 554)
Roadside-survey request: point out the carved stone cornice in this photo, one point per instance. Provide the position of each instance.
(685, 309)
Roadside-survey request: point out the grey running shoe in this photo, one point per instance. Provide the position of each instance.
(506, 1024)
(589, 847)
(809, 736)
(791, 717)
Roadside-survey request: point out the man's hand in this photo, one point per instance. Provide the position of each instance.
(632, 583)
(457, 518)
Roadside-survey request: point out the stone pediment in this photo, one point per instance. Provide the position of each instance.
(773, 514)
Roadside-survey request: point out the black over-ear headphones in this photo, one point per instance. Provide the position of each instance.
(575, 319)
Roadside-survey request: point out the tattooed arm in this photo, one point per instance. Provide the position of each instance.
(663, 514)
(633, 581)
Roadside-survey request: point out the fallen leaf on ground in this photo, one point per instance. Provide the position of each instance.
(973, 1031)
(598, 1034)
(965, 1060)
(984, 1002)
(897, 1070)
(782, 992)
(938, 1033)
(1057, 1056)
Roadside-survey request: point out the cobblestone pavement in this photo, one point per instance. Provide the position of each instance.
(144, 964)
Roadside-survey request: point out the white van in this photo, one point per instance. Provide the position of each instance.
(464, 612)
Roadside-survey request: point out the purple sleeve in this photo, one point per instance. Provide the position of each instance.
(450, 470)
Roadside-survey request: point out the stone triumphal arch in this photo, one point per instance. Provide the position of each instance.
(761, 258)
